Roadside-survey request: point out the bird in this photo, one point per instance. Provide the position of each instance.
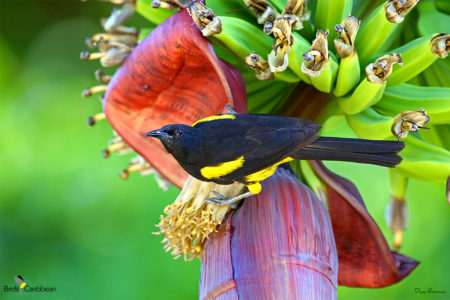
(248, 148)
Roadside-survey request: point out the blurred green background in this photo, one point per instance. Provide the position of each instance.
(67, 219)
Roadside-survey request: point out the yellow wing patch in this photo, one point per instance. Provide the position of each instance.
(217, 117)
(255, 178)
(222, 169)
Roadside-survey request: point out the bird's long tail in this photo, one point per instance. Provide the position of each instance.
(382, 153)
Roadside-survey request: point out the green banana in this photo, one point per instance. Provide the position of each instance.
(406, 97)
(369, 124)
(252, 84)
(362, 7)
(306, 174)
(313, 181)
(299, 47)
(366, 94)
(154, 15)
(443, 5)
(348, 75)
(433, 136)
(373, 33)
(349, 68)
(443, 131)
(269, 98)
(431, 20)
(438, 74)
(424, 161)
(240, 38)
(397, 184)
(331, 12)
(396, 212)
(325, 81)
(416, 56)
(318, 63)
(234, 8)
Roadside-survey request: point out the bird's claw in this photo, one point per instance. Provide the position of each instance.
(222, 200)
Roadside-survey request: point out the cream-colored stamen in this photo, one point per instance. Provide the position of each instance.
(95, 118)
(190, 220)
(297, 10)
(93, 90)
(259, 65)
(115, 56)
(102, 77)
(264, 11)
(111, 53)
(409, 121)
(347, 30)
(440, 45)
(86, 55)
(117, 145)
(127, 39)
(315, 59)
(282, 31)
(205, 19)
(118, 17)
(396, 10)
(397, 217)
(170, 4)
(379, 71)
(137, 164)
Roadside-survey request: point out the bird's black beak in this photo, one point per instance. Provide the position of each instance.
(159, 134)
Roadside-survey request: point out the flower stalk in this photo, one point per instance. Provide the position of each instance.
(397, 213)
(259, 253)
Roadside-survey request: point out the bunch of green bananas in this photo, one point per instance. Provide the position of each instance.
(388, 58)
(369, 107)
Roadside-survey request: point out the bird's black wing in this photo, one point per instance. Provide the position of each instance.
(262, 140)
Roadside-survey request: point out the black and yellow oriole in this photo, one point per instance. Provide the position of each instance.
(248, 148)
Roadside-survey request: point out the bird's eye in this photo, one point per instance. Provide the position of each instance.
(178, 132)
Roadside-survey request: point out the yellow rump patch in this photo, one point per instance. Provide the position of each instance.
(256, 177)
(254, 188)
(222, 169)
(217, 117)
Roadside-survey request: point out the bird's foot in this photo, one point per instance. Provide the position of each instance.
(222, 200)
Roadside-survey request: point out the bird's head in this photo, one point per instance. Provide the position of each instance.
(176, 138)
